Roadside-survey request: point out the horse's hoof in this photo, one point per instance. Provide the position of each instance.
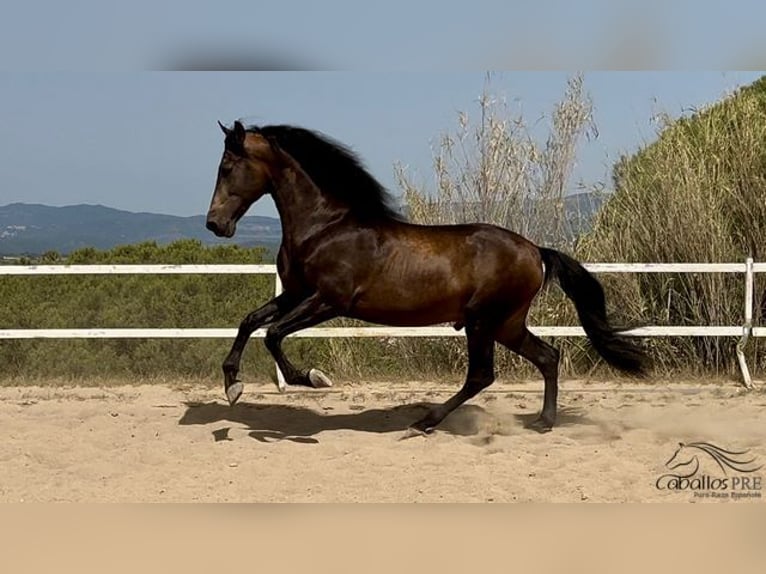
(418, 429)
(318, 379)
(413, 432)
(233, 392)
(281, 385)
(541, 425)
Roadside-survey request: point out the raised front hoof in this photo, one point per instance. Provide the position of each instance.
(233, 392)
(318, 379)
(541, 424)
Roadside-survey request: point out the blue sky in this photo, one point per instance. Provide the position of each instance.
(393, 35)
(148, 141)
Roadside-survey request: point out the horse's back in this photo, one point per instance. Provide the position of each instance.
(418, 274)
(482, 246)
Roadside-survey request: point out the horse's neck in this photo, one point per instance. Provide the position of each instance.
(303, 210)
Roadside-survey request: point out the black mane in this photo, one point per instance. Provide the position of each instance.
(335, 169)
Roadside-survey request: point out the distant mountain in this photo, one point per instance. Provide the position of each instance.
(32, 229)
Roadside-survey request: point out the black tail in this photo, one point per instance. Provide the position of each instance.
(588, 296)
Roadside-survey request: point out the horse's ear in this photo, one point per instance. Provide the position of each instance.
(235, 137)
(239, 132)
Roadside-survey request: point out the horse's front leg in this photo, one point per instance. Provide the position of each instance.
(255, 320)
(307, 313)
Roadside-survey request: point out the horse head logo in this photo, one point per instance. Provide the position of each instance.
(685, 461)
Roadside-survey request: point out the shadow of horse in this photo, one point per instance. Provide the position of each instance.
(271, 423)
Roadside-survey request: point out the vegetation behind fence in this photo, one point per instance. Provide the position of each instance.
(697, 194)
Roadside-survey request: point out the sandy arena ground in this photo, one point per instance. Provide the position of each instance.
(157, 443)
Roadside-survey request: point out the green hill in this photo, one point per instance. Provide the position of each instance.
(696, 194)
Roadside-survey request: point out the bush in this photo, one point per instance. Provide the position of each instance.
(695, 195)
(124, 301)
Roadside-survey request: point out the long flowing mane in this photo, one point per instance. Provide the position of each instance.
(336, 170)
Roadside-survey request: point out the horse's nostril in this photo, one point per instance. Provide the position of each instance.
(212, 226)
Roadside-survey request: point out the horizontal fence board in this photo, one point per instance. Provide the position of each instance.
(354, 332)
(136, 269)
(375, 331)
(665, 267)
(215, 269)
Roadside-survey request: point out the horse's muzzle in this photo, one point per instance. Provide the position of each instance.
(218, 229)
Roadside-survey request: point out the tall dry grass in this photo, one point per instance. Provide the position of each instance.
(696, 194)
(494, 170)
(491, 169)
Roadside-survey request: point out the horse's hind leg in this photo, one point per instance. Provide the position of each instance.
(480, 375)
(515, 336)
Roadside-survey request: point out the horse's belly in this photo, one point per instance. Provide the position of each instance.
(404, 318)
(408, 312)
(402, 294)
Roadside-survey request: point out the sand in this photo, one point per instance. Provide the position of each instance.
(162, 443)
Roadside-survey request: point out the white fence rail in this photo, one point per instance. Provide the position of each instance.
(744, 331)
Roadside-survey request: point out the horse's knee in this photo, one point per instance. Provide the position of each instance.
(272, 338)
(252, 322)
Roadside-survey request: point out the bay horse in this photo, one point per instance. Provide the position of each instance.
(346, 252)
